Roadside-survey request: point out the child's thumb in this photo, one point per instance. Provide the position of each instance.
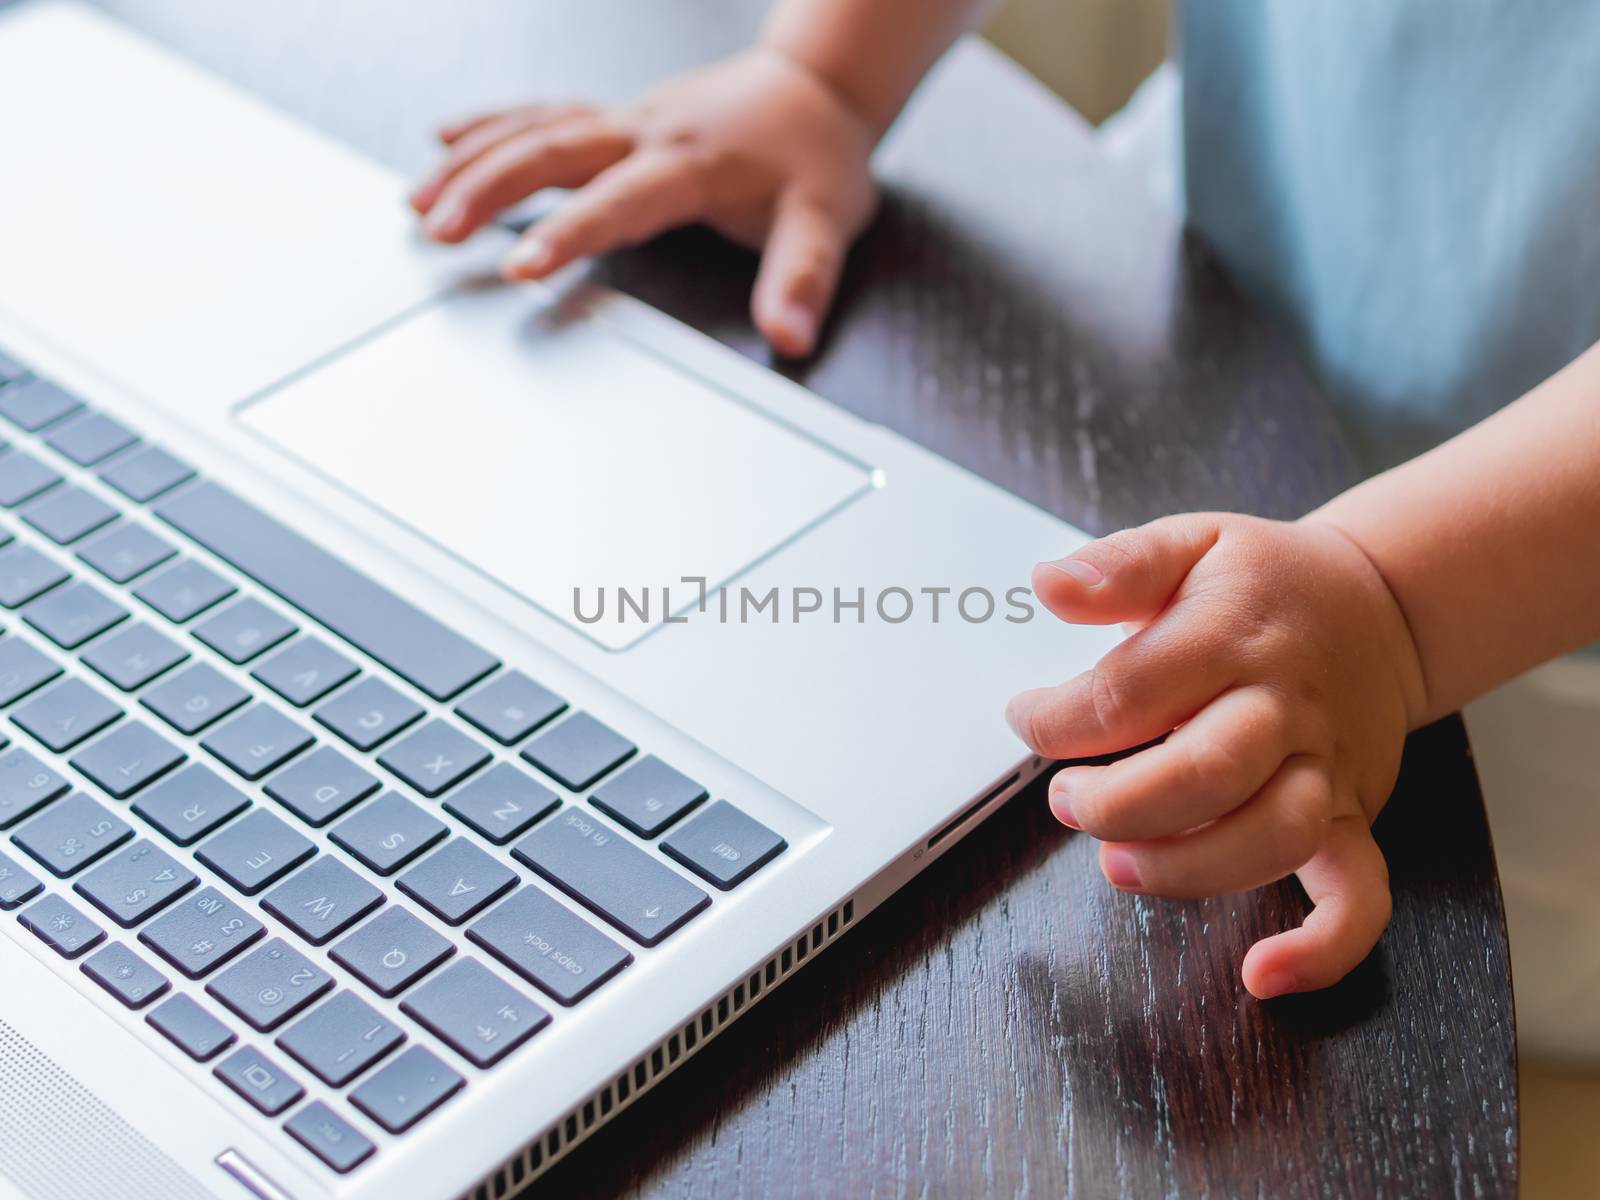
(1129, 576)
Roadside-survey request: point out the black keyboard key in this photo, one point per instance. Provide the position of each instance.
(406, 1090)
(125, 552)
(132, 657)
(121, 972)
(136, 883)
(91, 438)
(321, 786)
(62, 927)
(68, 513)
(434, 758)
(323, 900)
(648, 796)
(635, 892)
(271, 984)
(243, 630)
(421, 650)
(341, 1039)
(549, 946)
(71, 834)
(66, 714)
(37, 404)
(329, 1136)
(190, 804)
(127, 758)
(201, 932)
(188, 1026)
(267, 1086)
(502, 802)
(25, 574)
(392, 951)
(724, 846)
(125, 975)
(23, 668)
(305, 671)
(369, 713)
(255, 851)
(17, 885)
(578, 751)
(70, 616)
(184, 589)
(475, 1012)
(26, 785)
(258, 740)
(145, 475)
(194, 698)
(457, 881)
(510, 707)
(388, 832)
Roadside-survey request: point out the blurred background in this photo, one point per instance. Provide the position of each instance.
(1094, 53)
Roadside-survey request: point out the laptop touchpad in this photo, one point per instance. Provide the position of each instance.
(552, 454)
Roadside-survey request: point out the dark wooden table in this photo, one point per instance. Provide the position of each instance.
(1008, 1024)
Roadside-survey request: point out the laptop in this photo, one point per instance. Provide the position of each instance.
(433, 709)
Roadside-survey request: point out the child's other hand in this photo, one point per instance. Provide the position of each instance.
(756, 146)
(1284, 670)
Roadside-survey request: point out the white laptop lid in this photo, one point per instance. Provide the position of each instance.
(179, 236)
(224, 262)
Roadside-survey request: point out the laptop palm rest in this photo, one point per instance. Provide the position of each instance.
(554, 456)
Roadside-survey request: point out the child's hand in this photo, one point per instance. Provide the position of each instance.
(756, 146)
(1281, 664)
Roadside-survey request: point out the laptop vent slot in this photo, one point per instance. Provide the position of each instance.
(544, 1151)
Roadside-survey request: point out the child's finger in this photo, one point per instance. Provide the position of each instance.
(519, 167)
(800, 265)
(1348, 882)
(1276, 832)
(454, 131)
(483, 137)
(640, 197)
(1214, 763)
(1129, 576)
(1140, 689)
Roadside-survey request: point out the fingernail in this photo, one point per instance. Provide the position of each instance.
(1277, 983)
(1119, 867)
(1061, 806)
(442, 221)
(1085, 573)
(530, 254)
(424, 195)
(800, 323)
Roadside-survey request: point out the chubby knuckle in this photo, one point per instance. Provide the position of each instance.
(811, 274)
(1301, 825)
(1120, 551)
(1212, 766)
(1039, 725)
(1107, 698)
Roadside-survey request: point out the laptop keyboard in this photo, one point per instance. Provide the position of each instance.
(263, 804)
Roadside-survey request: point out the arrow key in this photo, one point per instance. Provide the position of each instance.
(457, 882)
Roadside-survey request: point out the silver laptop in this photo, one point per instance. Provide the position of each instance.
(435, 708)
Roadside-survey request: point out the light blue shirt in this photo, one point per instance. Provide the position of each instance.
(1413, 185)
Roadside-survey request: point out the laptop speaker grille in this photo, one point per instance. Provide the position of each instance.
(554, 1143)
(111, 1160)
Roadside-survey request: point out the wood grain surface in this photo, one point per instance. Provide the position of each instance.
(1008, 1024)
